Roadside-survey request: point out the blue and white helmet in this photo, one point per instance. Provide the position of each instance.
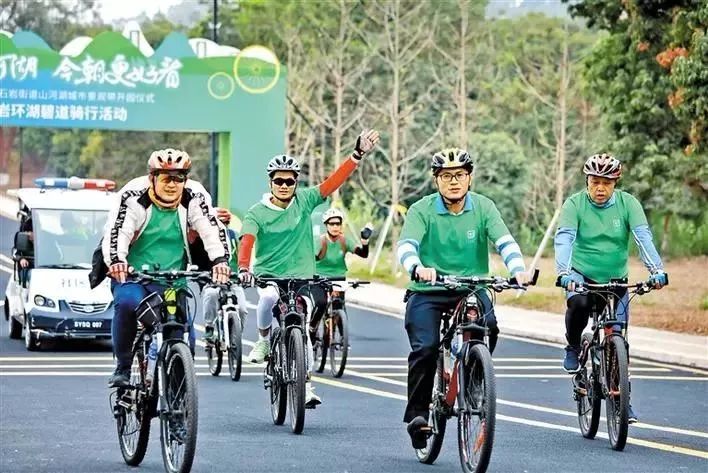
(283, 162)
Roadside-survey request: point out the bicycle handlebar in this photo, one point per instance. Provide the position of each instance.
(498, 283)
(150, 276)
(641, 287)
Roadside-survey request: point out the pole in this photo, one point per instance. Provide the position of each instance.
(213, 162)
(542, 246)
(22, 152)
(382, 240)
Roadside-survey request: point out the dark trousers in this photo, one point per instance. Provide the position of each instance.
(423, 317)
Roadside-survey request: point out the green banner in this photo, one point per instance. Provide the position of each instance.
(111, 85)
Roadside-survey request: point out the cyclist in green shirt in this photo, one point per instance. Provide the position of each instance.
(332, 248)
(280, 226)
(592, 245)
(446, 233)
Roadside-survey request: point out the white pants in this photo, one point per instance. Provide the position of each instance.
(267, 298)
(210, 304)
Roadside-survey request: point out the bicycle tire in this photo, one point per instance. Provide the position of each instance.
(278, 394)
(180, 389)
(617, 400)
(340, 343)
(321, 345)
(215, 358)
(479, 390)
(588, 404)
(134, 452)
(438, 420)
(235, 352)
(296, 375)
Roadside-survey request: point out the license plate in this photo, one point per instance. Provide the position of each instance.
(88, 324)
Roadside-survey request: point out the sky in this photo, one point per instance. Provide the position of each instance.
(111, 10)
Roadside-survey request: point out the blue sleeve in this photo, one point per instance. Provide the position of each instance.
(563, 244)
(647, 251)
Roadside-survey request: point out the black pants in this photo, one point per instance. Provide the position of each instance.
(423, 317)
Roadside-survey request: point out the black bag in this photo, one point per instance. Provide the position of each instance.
(99, 270)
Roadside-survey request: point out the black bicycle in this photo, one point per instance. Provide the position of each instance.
(466, 387)
(227, 333)
(607, 350)
(332, 333)
(162, 383)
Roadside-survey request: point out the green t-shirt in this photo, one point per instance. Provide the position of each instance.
(601, 246)
(453, 244)
(284, 240)
(333, 264)
(160, 242)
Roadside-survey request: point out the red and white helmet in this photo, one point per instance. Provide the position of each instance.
(169, 159)
(603, 165)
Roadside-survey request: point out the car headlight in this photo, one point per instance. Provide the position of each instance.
(43, 301)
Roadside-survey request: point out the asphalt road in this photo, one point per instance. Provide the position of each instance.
(55, 415)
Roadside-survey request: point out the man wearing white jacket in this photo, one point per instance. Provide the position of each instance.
(150, 226)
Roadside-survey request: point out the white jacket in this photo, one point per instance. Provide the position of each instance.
(132, 211)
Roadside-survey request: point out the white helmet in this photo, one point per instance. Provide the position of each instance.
(283, 162)
(332, 213)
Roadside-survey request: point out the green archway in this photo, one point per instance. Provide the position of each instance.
(111, 85)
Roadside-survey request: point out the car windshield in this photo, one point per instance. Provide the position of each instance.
(66, 238)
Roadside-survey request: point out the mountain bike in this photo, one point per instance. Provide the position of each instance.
(607, 351)
(163, 381)
(286, 369)
(227, 333)
(332, 333)
(465, 387)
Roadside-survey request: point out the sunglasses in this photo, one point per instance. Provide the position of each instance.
(279, 181)
(167, 178)
(334, 224)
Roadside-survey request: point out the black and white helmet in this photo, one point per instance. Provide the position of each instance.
(283, 162)
(451, 158)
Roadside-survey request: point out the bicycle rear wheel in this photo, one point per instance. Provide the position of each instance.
(438, 420)
(477, 401)
(178, 433)
(587, 391)
(339, 347)
(235, 346)
(296, 380)
(131, 411)
(278, 394)
(321, 344)
(617, 400)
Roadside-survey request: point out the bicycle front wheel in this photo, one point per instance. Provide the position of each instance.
(320, 346)
(278, 395)
(617, 400)
(339, 347)
(235, 346)
(438, 420)
(477, 401)
(131, 411)
(296, 380)
(180, 417)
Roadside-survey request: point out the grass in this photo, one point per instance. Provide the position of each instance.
(680, 307)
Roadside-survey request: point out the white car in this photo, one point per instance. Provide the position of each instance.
(51, 298)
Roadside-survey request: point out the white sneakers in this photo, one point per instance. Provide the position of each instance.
(261, 349)
(311, 399)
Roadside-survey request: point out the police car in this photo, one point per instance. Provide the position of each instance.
(48, 295)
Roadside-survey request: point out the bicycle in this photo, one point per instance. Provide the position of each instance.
(607, 350)
(227, 336)
(467, 389)
(164, 328)
(286, 368)
(332, 334)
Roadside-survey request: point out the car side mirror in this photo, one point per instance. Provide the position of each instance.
(23, 243)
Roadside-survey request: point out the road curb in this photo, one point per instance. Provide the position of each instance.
(547, 336)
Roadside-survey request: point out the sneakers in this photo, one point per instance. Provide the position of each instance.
(570, 362)
(260, 351)
(419, 429)
(209, 334)
(631, 416)
(312, 400)
(119, 379)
